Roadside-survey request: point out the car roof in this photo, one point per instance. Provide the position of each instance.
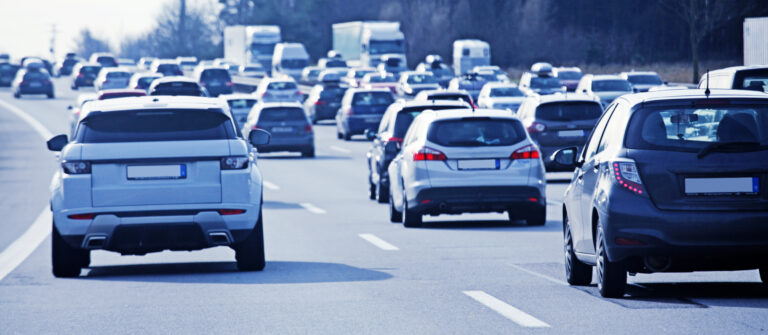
(121, 90)
(566, 68)
(154, 102)
(698, 93)
(367, 89)
(277, 104)
(423, 103)
(634, 73)
(89, 64)
(734, 69)
(147, 74)
(559, 97)
(441, 92)
(115, 69)
(596, 77)
(494, 84)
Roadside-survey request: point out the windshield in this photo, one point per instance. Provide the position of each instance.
(281, 85)
(294, 63)
(569, 75)
(241, 103)
(616, 85)
(545, 83)
(476, 132)
(381, 79)
(645, 79)
(372, 99)
(506, 92)
(387, 47)
(178, 88)
(118, 75)
(167, 67)
(688, 128)
(421, 79)
(332, 93)
(35, 75)
(569, 111)
(488, 76)
(262, 49)
(281, 114)
(155, 125)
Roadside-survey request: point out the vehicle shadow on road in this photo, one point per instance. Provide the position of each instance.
(501, 225)
(724, 294)
(276, 272)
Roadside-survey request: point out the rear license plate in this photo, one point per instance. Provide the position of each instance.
(282, 129)
(722, 186)
(570, 133)
(479, 164)
(35, 85)
(147, 172)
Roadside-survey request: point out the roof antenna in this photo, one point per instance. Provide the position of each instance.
(707, 91)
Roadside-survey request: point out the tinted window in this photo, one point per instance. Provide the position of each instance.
(118, 75)
(121, 95)
(611, 86)
(144, 82)
(281, 85)
(332, 93)
(69, 62)
(167, 68)
(90, 69)
(372, 99)
(313, 73)
(381, 79)
(335, 63)
(405, 117)
(387, 47)
(215, 74)
(241, 103)
(755, 83)
(686, 128)
(6, 67)
(262, 49)
(644, 79)
(294, 63)
(569, 111)
(155, 125)
(569, 75)
(178, 88)
(253, 68)
(107, 61)
(476, 132)
(421, 79)
(545, 82)
(35, 75)
(281, 114)
(506, 92)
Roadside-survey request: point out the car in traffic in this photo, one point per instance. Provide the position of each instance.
(309, 75)
(392, 63)
(379, 80)
(64, 67)
(215, 79)
(605, 87)
(82, 99)
(354, 76)
(145, 63)
(111, 78)
(142, 81)
(290, 128)
(166, 67)
(255, 70)
(176, 85)
(240, 105)
(323, 101)
(434, 64)
(37, 62)
(388, 137)
(500, 96)
(669, 181)
(104, 59)
(753, 78)
(7, 73)
(331, 62)
(84, 75)
(445, 95)
(149, 174)
(412, 82)
(361, 109)
(642, 81)
(32, 80)
(187, 63)
(283, 89)
(541, 83)
(471, 82)
(568, 76)
(558, 121)
(467, 161)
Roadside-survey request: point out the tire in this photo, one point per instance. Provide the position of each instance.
(764, 274)
(347, 136)
(17, 95)
(50, 95)
(576, 272)
(339, 135)
(537, 218)
(611, 276)
(411, 219)
(74, 87)
(250, 252)
(309, 153)
(371, 191)
(67, 261)
(394, 215)
(382, 192)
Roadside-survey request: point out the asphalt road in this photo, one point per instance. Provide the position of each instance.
(335, 264)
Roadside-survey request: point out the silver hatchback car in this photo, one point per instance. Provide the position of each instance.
(150, 174)
(465, 161)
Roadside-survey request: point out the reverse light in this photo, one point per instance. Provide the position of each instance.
(76, 167)
(86, 216)
(527, 152)
(429, 154)
(626, 175)
(536, 127)
(234, 162)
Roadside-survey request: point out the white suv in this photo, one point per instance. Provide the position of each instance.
(465, 161)
(150, 174)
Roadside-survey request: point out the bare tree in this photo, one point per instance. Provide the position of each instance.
(86, 44)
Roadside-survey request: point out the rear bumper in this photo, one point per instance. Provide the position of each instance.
(358, 124)
(216, 91)
(325, 113)
(477, 199)
(36, 90)
(288, 144)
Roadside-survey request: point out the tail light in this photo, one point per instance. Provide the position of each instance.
(536, 127)
(298, 92)
(85, 216)
(308, 128)
(429, 154)
(396, 139)
(527, 152)
(80, 75)
(234, 163)
(350, 111)
(265, 94)
(319, 103)
(76, 167)
(229, 83)
(626, 175)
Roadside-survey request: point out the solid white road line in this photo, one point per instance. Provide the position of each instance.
(37, 126)
(384, 245)
(552, 279)
(271, 186)
(20, 249)
(340, 149)
(312, 208)
(517, 316)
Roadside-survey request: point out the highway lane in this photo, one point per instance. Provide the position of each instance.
(322, 276)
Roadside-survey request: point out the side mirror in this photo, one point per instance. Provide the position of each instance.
(391, 148)
(565, 158)
(57, 142)
(259, 137)
(370, 134)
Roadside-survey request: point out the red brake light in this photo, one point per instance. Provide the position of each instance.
(527, 152)
(231, 211)
(86, 216)
(395, 139)
(229, 83)
(536, 127)
(351, 111)
(627, 176)
(80, 75)
(319, 102)
(429, 154)
(308, 128)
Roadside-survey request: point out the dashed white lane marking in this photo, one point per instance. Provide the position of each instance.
(312, 208)
(375, 240)
(20, 249)
(552, 279)
(271, 186)
(340, 149)
(517, 316)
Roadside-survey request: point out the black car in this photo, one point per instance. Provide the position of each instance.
(324, 101)
(7, 73)
(216, 81)
(84, 74)
(389, 136)
(33, 80)
(176, 85)
(66, 66)
(669, 181)
(46, 64)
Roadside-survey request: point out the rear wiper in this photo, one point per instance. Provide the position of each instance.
(736, 146)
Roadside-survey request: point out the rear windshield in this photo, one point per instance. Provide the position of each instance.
(644, 79)
(611, 86)
(282, 85)
(215, 74)
(569, 111)
(421, 79)
(545, 82)
(294, 63)
(336, 63)
(107, 61)
(405, 117)
(118, 75)
(188, 63)
(69, 62)
(121, 95)
(281, 114)
(35, 75)
(756, 83)
(167, 67)
(687, 128)
(332, 93)
(178, 88)
(381, 79)
(155, 125)
(569, 75)
(372, 99)
(6, 67)
(90, 69)
(506, 92)
(253, 68)
(476, 132)
(241, 103)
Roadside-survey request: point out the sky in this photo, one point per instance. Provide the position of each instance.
(26, 25)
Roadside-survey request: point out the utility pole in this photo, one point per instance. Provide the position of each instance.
(182, 29)
(52, 47)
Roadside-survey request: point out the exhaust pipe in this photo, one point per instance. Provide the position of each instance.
(219, 238)
(95, 242)
(658, 263)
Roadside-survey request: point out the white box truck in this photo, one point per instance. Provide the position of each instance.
(363, 43)
(756, 41)
(251, 44)
(470, 53)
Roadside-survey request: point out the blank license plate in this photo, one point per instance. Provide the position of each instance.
(144, 172)
(282, 129)
(704, 186)
(35, 85)
(570, 133)
(479, 164)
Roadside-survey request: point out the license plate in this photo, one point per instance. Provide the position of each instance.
(34, 85)
(147, 172)
(722, 186)
(215, 83)
(372, 118)
(282, 129)
(479, 164)
(570, 133)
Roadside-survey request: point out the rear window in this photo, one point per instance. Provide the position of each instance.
(405, 117)
(6, 67)
(155, 125)
(107, 61)
(167, 67)
(241, 103)
(421, 79)
(381, 79)
(69, 62)
(644, 79)
(90, 69)
(215, 74)
(35, 75)
(332, 93)
(372, 99)
(545, 82)
(686, 128)
(569, 111)
(756, 83)
(281, 114)
(506, 92)
(569, 75)
(118, 75)
(294, 63)
(336, 63)
(611, 86)
(144, 82)
(361, 73)
(476, 132)
(121, 95)
(178, 88)
(282, 85)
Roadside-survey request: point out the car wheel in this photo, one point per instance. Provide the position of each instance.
(764, 274)
(74, 87)
(382, 193)
(611, 276)
(347, 136)
(537, 218)
(67, 261)
(50, 95)
(411, 219)
(371, 190)
(250, 252)
(309, 153)
(339, 135)
(16, 95)
(394, 215)
(576, 272)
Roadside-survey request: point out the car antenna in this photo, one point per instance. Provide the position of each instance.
(707, 91)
